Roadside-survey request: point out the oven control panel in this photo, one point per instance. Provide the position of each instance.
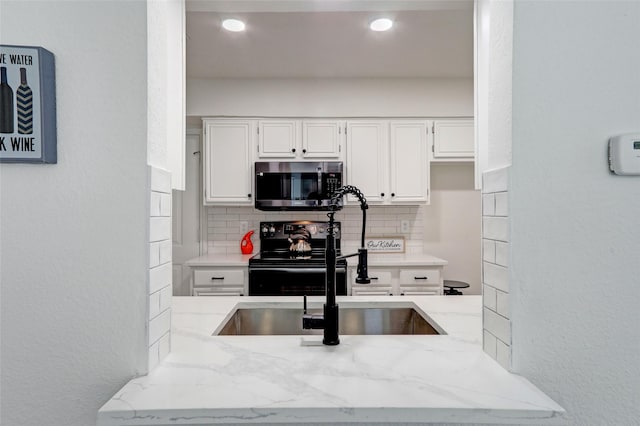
(282, 230)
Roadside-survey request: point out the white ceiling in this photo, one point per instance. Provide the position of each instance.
(429, 39)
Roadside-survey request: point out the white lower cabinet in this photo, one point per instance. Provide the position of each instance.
(381, 283)
(219, 281)
(420, 281)
(398, 281)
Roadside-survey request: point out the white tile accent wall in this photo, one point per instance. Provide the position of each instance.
(223, 225)
(495, 263)
(160, 276)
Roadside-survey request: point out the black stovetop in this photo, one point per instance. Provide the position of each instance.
(285, 258)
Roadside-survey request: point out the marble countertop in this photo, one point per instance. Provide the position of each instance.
(295, 379)
(393, 259)
(212, 259)
(375, 259)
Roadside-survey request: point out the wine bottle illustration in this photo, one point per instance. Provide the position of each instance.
(6, 104)
(24, 103)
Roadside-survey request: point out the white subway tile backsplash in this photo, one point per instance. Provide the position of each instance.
(503, 354)
(160, 277)
(154, 305)
(154, 204)
(495, 234)
(165, 295)
(497, 325)
(160, 267)
(502, 304)
(489, 251)
(495, 228)
(159, 228)
(165, 249)
(159, 326)
(488, 205)
(164, 345)
(154, 254)
(495, 180)
(496, 276)
(502, 204)
(489, 297)
(223, 230)
(165, 205)
(160, 180)
(489, 344)
(502, 253)
(154, 355)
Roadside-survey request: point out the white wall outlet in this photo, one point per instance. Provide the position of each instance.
(244, 226)
(404, 226)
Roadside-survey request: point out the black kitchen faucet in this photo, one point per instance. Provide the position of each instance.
(329, 320)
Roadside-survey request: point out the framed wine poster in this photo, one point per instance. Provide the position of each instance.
(27, 105)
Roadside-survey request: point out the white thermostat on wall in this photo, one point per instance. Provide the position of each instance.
(624, 154)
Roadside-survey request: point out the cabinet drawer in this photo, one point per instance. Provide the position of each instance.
(218, 277)
(218, 291)
(377, 276)
(370, 291)
(424, 276)
(420, 291)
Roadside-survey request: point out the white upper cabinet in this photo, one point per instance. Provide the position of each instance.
(367, 159)
(388, 160)
(322, 138)
(278, 138)
(409, 170)
(453, 140)
(290, 139)
(228, 147)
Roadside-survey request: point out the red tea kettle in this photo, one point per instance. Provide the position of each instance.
(246, 246)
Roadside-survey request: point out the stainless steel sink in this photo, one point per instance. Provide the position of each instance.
(288, 321)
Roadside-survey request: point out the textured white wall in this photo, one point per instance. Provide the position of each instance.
(74, 246)
(574, 231)
(330, 97)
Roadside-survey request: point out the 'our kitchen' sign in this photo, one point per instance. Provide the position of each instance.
(27, 105)
(385, 245)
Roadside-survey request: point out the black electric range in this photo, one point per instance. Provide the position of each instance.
(279, 271)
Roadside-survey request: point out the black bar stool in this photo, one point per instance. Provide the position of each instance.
(451, 287)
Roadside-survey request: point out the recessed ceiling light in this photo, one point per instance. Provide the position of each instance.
(234, 25)
(382, 24)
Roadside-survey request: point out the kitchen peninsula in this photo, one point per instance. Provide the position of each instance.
(446, 378)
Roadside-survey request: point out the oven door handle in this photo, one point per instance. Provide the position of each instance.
(294, 270)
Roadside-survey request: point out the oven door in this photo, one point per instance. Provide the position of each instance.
(293, 281)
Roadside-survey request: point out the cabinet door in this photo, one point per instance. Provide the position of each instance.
(322, 139)
(453, 140)
(227, 161)
(278, 138)
(367, 159)
(409, 169)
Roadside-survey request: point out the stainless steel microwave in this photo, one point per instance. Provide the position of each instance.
(296, 185)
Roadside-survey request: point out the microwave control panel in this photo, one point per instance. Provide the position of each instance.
(333, 182)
